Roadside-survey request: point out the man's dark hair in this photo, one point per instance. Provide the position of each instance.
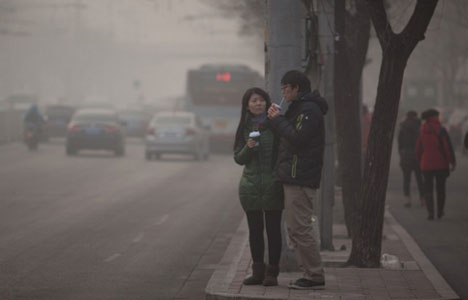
(296, 78)
(429, 114)
(412, 114)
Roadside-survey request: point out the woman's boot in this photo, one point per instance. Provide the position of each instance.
(258, 274)
(271, 276)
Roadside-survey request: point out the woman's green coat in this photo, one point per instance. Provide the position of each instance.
(258, 190)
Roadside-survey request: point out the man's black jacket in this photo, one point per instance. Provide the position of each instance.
(407, 137)
(302, 141)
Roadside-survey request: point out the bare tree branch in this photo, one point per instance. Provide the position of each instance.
(380, 20)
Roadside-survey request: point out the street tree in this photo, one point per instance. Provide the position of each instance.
(396, 50)
(445, 55)
(352, 27)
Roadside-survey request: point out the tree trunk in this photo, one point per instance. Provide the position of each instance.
(367, 242)
(351, 50)
(396, 50)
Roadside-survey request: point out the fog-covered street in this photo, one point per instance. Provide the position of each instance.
(96, 226)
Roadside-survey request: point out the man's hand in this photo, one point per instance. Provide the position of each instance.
(273, 112)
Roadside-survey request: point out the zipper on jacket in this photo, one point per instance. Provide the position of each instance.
(299, 122)
(293, 167)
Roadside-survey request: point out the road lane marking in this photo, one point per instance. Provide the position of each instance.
(163, 219)
(112, 257)
(138, 238)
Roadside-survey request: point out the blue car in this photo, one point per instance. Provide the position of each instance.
(95, 129)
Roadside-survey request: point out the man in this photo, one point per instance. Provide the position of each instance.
(407, 137)
(299, 166)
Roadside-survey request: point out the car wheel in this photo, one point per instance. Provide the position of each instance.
(157, 156)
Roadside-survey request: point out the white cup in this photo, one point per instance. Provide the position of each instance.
(255, 135)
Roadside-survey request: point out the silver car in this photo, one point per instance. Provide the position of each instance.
(176, 132)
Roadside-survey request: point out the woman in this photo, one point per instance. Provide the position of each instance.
(436, 157)
(260, 195)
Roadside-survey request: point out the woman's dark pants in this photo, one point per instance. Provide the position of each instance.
(440, 177)
(272, 221)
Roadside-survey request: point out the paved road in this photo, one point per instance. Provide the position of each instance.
(445, 241)
(97, 226)
(100, 227)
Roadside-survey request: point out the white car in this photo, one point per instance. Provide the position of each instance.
(177, 132)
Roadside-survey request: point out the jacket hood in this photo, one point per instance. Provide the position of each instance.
(432, 125)
(315, 97)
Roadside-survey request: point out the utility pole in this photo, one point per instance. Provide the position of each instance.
(326, 18)
(284, 42)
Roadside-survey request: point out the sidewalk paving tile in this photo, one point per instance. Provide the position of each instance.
(415, 278)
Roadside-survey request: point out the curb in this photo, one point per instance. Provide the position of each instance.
(225, 271)
(218, 285)
(439, 283)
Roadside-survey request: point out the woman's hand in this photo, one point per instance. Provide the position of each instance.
(251, 143)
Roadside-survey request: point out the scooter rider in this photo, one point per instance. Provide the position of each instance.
(34, 119)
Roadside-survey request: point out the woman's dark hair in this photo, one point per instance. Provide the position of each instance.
(245, 113)
(296, 78)
(429, 114)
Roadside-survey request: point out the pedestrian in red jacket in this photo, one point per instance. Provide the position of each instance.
(436, 157)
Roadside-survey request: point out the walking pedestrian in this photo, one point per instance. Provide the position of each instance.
(407, 137)
(299, 166)
(260, 194)
(437, 158)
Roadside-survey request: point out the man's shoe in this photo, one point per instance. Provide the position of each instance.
(430, 217)
(440, 215)
(306, 284)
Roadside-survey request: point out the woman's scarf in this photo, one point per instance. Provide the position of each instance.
(258, 121)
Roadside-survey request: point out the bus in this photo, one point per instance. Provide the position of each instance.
(214, 93)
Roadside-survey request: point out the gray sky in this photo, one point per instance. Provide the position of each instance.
(102, 49)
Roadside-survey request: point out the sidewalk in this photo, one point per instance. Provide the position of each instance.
(415, 278)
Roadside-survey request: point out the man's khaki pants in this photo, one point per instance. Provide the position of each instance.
(298, 201)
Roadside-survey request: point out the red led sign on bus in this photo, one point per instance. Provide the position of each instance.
(226, 77)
